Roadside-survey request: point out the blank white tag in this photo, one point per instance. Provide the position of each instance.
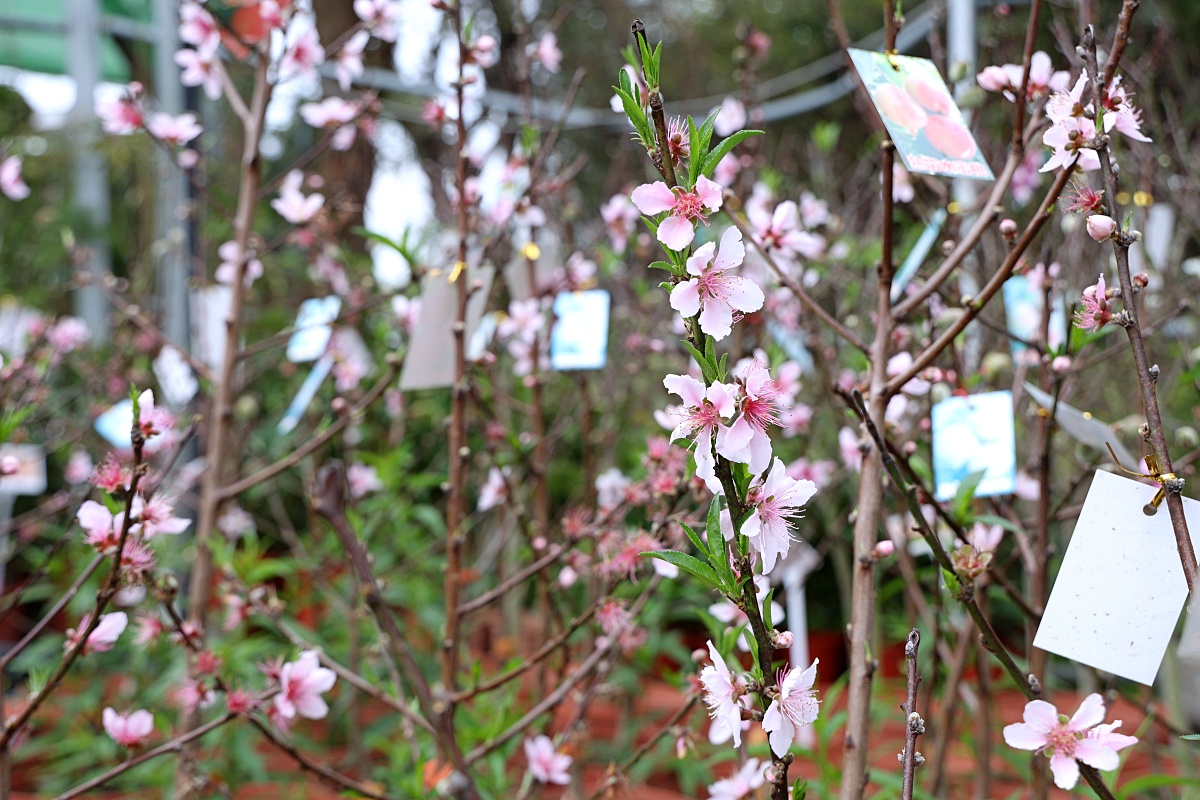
(1121, 587)
(429, 362)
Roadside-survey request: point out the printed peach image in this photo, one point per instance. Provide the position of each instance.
(930, 94)
(898, 108)
(950, 138)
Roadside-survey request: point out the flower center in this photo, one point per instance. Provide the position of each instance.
(689, 205)
(1063, 741)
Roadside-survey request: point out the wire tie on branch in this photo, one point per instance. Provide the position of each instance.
(1163, 479)
(890, 55)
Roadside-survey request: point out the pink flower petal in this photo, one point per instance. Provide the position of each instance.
(1096, 754)
(690, 390)
(1066, 771)
(1090, 713)
(676, 232)
(709, 193)
(716, 319)
(744, 295)
(1023, 737)
(685, 298)
(733, 250)
(1041, 716)
(653, 198)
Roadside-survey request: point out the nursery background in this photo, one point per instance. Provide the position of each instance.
(445, 398)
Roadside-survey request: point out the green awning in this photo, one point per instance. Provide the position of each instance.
(33, 36)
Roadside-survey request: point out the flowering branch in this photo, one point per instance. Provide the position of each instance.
(1147, 375)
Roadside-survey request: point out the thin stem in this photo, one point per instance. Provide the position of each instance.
(28, 638)
(914, 726)
(173, 746)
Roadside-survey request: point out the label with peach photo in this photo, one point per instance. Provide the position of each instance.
(921, 116)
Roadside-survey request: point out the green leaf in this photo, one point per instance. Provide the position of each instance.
(712, 525)
(800, 790)
(951, 581)
(625, 82)
(766, 609)
(706, 134)
(12, 420)
(694, 537)
(1191, 737)
(710, 374)
(661, 265)
(687, 563)
(721, 367)
(966, 494)
(693, 147)
(722, 150)
(637, 117)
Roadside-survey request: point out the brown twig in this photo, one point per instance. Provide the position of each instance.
(914, 725)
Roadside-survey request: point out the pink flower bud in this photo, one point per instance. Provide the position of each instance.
(1008, 228)
(1101, 227)
(992, 79)
(1061, 364)
(10, 465)
(883, 549)
(1141, 280)
(784, 640)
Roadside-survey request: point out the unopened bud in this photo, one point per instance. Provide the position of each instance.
(1141, 280)
(1008, 228)
(784, 640)
(10, 465)
(883, 549)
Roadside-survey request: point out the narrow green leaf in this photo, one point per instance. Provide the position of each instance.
(694, 146)
(712, 525)
(625, 81)
(706, 134)
(637, 117)
(695, 538)
(706, 368)
(688, 564)
(721, 367)
(661, 265)
(722, 150)
(766, 609)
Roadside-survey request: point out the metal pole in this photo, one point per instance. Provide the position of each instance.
(171, 231)
(961, 51)
(90, 179)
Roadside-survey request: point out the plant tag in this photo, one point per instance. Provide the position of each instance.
(115, 424)
(313, 328)
(974, 434)
(1023, 311)
(1083, 427)
(1121, 587)
(429, 363)
(579, 339)
(921, 116)
(31, 477)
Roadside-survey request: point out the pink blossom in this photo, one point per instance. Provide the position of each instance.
(848, 444)
(494, 491)
(1094, 310)
(331, 112)
(721, 692)
(79, 467)
(302, 56)
(108, 630)
(794, 707)
(153, 421)
(620, 217)
(68, 335)
(292, 204)
(230, 256)
(985, 538)
(781, 231)
(712, 293)
(362, 480)
(992, 79)
(157, 516)
(172, 130)
(1101, 227)
(1125, 118)
(110, 475)
(902, 188)
(747, 441)
(702, 415)
(547, 53)
(11, 182)
(546, 764)
(775, 501)
(198, 28)
(381, 17)
(898, 365)
(883, 549)
(103, 528)
(301, 684)
(819, 472)
(741, 785)
(149, 628)
(10, 465)
(676, 231)
(128, 730)
(524, 321)
(200, 69)
(1042, 78)
(121, 116)
(732, 117)
(610, 488)
(191, 695)
(1067, 741)
(408, 311)
(349, 59)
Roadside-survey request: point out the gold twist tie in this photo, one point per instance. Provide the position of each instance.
(1156, 474)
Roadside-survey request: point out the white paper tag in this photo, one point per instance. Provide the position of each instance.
(429, 362)
(579, 339)
(1121, 587)
(313, 328)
